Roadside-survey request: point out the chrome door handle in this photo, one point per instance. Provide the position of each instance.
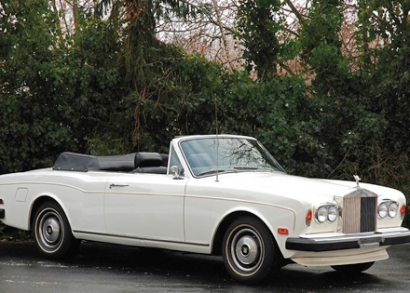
(118, 185)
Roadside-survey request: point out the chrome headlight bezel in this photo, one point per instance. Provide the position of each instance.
(332, 214)
(321, 214)
(388, 209)
(393, 210)
(382, 210)
(326, 213)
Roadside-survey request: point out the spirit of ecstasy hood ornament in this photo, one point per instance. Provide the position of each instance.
(357, 178)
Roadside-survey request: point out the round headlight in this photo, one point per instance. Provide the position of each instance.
(321, 214)
(393, 209)
(332, 214)
(382, 210)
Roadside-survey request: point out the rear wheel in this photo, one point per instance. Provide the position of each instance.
(249, 250)
(353, 268)
(52, 232)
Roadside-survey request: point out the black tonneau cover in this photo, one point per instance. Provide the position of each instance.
(68, 161)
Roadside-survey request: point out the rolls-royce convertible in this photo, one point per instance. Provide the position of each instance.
(212, 194)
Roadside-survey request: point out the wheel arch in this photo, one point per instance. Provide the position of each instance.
(37, 203)
(223, 226)
(51, 228)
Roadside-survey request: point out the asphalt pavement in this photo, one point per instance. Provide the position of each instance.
(104, 268)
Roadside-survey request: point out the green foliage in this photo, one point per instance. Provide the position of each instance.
(92, 83)
(258, 25)
(389, 73)
(31, 127)
(321, 47)
(112, 87)
(384, 41)
(360, 117)
(174, 102)
(54, 96)
(274, 112)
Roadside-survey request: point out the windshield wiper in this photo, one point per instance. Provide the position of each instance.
(244, 168)
(234, 170)
(214, 171)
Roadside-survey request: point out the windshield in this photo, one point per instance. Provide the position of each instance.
(207, 156)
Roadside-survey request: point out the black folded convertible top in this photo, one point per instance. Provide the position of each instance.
(68, 161)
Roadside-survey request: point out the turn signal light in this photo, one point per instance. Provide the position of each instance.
(403, 210)
(1, 201)
(283, 231)
(309, 217)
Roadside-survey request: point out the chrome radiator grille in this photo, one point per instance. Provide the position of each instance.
(359, 214)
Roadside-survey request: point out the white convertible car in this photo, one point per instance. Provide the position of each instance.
(213, 194)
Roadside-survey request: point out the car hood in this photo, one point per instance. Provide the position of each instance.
(289, 186)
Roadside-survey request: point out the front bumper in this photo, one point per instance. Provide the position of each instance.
(348, 241)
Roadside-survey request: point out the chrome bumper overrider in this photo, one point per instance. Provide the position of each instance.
(347, 242)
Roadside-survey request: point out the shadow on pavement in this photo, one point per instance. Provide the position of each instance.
(190, 270)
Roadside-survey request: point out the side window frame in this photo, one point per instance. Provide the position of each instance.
(174, 161)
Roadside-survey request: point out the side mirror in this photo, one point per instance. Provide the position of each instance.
(174, 170)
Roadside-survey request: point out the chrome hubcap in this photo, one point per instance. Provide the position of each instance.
(247, 250)
(50, 230)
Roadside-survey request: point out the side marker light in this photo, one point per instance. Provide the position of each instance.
(403, 210)
(283, 231)
(309, 217)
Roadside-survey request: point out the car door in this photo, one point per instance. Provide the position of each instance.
(145, 206)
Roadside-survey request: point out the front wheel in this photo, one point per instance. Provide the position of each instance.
(353, 268)
(52, 232)
(249, 250)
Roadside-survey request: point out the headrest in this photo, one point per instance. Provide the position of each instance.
(165, 159)
(143, 159)
(117, 162)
